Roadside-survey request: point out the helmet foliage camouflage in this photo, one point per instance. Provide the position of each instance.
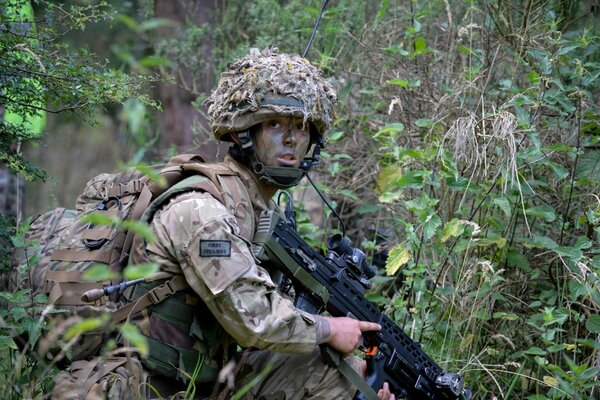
(266, 84)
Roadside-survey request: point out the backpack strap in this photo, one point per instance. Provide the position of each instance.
(155, 296)
(182, 173)
(141, 204)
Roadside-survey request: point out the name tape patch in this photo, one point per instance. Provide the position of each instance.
(215, 248)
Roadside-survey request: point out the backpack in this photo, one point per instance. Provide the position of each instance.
(69, 246)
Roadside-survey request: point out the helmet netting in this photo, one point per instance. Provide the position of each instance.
(261, 75)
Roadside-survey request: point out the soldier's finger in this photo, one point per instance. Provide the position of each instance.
(369, 326)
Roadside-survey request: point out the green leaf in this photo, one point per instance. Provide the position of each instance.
(34, 328)
(395, 127)
(560, 171)
(535, 351)
(155, 61)
(99, 218)
(7, 342)
(516, 258)
(132, 334)
(368, 208)
(349, 194)
(98, 273)
(543, 242)
(398, 82)
(153, 175)
(569, 252)
(336, 136)
(546, 212)
(397, 257)
(86, 325)
(506, 316)
(141, 229)
(457, 183)
(411, 179)
(420, 45)
(138, 271)
(583, 243)
(423, 123)
(156, 23)
(503, 203)
(431, 224)
(17, 313)
(593, 323)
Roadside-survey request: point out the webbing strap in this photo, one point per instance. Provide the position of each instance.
(154, 296)
(124, 189)
(334, 359)
(141, 204)
(97, 234)
(65, 276)
(71, 255)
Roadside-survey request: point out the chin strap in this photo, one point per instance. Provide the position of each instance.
(282, 177)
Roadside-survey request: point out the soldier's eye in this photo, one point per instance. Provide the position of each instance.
(273, 124)
(301, 127)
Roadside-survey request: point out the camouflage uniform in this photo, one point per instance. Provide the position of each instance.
(205, 236)
(241, 294)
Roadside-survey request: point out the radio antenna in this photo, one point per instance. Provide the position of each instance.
(314, 32)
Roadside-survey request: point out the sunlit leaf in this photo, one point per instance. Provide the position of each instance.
(151, 174)
(99, 218)
(397, 257)
(86, 325)
(453, 228)
(396, 127)
(132, 334)
(420, 45)
(398, 82)
(132, 272)
(387, 177)
(140, 228)
(98, 273)
(550, 381)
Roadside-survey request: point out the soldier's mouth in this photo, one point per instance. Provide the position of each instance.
(288, 160)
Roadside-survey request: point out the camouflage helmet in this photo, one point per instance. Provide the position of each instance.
(266, 84)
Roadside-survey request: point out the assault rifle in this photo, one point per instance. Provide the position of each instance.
(336, 283)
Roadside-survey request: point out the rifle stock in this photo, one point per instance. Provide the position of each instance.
(337, 286)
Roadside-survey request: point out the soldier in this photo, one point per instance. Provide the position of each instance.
(273, 107)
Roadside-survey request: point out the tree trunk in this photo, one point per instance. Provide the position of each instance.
(181, 124)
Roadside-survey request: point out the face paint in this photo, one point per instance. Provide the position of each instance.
(282, 142)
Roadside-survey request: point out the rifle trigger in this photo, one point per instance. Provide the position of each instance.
(372, 351)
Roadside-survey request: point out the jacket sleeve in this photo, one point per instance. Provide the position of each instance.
(202, 236)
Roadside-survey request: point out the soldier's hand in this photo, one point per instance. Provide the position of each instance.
(385, 394)
(342, 333)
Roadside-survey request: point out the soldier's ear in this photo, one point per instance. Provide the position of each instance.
(234, 137)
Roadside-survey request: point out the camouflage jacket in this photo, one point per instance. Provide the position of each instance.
(210, 244)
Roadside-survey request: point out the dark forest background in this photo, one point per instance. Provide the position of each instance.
(466, 149)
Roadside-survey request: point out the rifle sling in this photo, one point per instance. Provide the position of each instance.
(333, 359)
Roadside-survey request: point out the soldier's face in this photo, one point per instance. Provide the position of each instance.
(282, 142)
